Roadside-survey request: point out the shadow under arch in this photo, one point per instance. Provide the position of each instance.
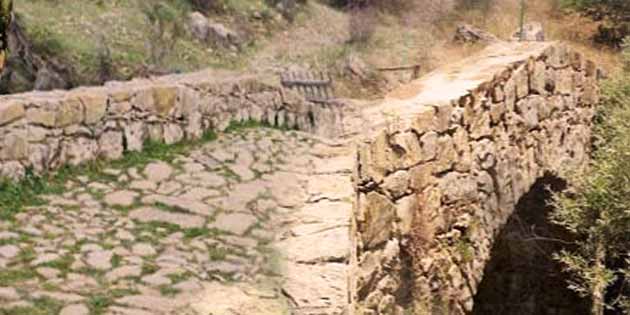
(521, 277)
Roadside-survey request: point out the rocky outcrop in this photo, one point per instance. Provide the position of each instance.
(25, 70)
(215, 33)
(44, 130)
(441, 172)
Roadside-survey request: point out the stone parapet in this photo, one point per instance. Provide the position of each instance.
(44, 130)
(444, 168)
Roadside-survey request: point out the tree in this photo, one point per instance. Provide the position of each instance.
(6, 14)
(597, 209)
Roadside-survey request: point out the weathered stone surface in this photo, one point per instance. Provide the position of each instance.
(9, 294)
(14, 147)
(75, 309)
(38, 116)
(123, 272)
(9, 251)
(148, 214)
(198, 25)
(95, 104)
(378, 214)
(111, 145)
(123, 198)
(518, 115)
(135, 135)
(237, 223)
(158, 172)
(69, 112)
(10, 112)
(100, 260)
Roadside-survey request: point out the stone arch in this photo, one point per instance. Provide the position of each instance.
(443, 171)
(521, 277)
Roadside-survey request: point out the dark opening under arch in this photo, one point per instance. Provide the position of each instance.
(521, 277)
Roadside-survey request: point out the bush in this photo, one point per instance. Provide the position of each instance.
(166, 29)
(614, 17)
(597, 209)
(207, 5)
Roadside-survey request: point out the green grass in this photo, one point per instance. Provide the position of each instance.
(80, 32)
(218, 253)
(167, 290)
(8, 277)
(43, 306)
(62, 264)
(98, 303)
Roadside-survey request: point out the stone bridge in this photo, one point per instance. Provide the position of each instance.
(262, 221)
(439, 178)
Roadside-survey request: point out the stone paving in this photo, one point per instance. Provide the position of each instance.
(255, 222)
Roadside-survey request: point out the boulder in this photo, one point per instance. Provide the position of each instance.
(532, 32)
(48, 79)
(198, 26)
(467, 33)
(222, 36)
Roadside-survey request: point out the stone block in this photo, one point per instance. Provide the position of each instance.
(397, 183)
(165, 98)
(379, 215)
(95, 104)
(41, 116)
(11, 111)
(135, 134)
(406, 149)
(458, 188)
(15, 146)
(79, 150)
(111, 145)
(421, 176)
(405, 210)
(69, 112)
(521, 81)
(173, 133)
(528, 110)
(538, 78)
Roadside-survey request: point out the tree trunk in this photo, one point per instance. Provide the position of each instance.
(599, 287)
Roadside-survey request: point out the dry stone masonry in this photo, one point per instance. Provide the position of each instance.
(270, 222)
(443, 170)
(44, 130)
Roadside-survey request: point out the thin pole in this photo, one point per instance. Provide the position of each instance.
(522, 22)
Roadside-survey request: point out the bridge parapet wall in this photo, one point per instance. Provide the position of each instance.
(44, 130)
(443, 171)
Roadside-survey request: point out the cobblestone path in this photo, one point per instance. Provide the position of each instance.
(255, 222)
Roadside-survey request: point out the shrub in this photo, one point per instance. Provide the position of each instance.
(207, 5)
(597, 209)
(166, 29)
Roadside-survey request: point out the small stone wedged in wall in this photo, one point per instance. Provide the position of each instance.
(442, 182)
(44, 130)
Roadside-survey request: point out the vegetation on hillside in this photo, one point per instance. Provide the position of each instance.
(613, 17)
(105, 40)
(597, 209)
